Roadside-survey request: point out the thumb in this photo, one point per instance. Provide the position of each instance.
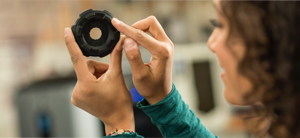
(133, 55)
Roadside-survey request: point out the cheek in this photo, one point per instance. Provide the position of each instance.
(236, 85)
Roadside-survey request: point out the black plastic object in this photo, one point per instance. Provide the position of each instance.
(88, 20)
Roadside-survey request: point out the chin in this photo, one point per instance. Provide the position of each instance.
(234, 98)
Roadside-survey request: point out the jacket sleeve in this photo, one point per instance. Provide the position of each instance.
(174, 118)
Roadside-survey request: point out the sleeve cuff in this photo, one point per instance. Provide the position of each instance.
(168, 101)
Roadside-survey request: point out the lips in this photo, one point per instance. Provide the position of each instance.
(222, 73)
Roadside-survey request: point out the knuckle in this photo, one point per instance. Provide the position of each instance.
(115, 74)
(123, 27)
(152, 18)
(140, 34)
(89, 62)
(170, 43)
(86, 91)
(74, 58)
(73, 101)
(67, 42)
(70, 42)
(140, 76)
(133, 56)
(165, 52)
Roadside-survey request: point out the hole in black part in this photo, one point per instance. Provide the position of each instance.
(95, 33)
(103, 26)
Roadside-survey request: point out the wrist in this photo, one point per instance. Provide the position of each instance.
(159, 96)
(120, 131)
(155, 99)
(122, 121)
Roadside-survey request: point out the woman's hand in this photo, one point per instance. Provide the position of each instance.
(153, 80)
(100, 89)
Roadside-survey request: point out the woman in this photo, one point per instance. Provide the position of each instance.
(256, 44)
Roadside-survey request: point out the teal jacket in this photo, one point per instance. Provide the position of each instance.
(173, 118)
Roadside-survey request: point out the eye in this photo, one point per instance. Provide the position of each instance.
(215, 23)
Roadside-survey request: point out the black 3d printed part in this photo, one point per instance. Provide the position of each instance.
(88, 20)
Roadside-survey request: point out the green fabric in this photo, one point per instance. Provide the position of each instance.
(173, 117)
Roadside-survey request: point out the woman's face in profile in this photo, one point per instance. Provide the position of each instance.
(236, 85)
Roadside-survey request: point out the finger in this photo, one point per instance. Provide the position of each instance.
(133, 55)
(138, 35)
(77, 57)
(96, 68)
(115, 59)
(152, 26)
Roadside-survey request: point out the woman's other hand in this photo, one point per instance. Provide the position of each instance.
(153, 80)
(100, 89)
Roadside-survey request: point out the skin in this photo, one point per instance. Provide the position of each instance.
(236, 85)
(95, 91)
(153, 80)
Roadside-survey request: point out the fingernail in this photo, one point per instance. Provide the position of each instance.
(129, 43)
(66, 31)
(116, 20)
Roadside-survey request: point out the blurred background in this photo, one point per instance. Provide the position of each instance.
(37, 76)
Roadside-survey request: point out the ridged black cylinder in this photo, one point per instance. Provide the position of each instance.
(88, 20)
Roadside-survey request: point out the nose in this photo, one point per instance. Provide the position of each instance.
(211, 43)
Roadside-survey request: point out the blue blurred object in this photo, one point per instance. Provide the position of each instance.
(44, 124)
(136, 97)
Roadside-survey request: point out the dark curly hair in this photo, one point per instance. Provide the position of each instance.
(271, 32)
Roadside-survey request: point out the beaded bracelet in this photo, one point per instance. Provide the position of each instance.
(120, 131)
